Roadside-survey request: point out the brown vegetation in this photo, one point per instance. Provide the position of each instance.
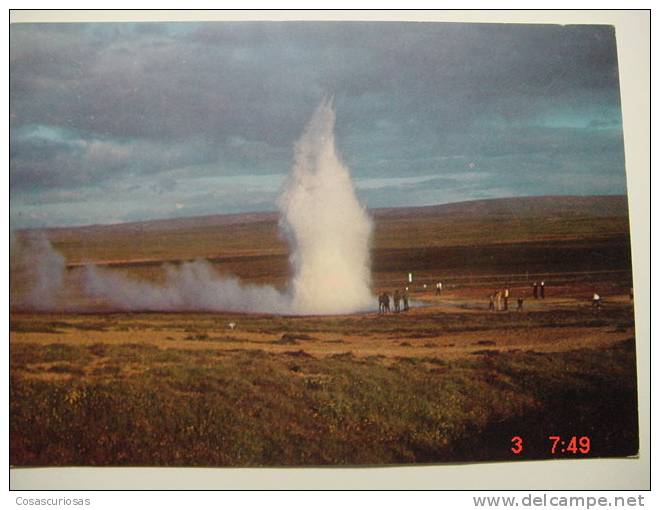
(446, 381)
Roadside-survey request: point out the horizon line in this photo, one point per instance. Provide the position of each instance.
(274, 211)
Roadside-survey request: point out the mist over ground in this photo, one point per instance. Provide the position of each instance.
(327, 229)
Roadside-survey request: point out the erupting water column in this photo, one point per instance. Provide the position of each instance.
(328, 230)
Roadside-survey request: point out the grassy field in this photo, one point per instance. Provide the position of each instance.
(141, 404)
(447, 381)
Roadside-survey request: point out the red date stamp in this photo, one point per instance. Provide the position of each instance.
(517, 447)
(574, 445)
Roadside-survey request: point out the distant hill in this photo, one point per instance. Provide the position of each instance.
(398, 235)
(187, 223)
(519, 207)
(501, 208)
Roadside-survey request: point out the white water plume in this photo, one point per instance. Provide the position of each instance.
(327, 230)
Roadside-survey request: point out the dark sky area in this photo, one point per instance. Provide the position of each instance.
(114, 122)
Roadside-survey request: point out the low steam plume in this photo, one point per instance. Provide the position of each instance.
(34, 258)
(327, 230)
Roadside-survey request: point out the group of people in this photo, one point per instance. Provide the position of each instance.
(499, 300)
(397, 297)
(539, 290)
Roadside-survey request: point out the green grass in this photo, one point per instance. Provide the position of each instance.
(251, 408)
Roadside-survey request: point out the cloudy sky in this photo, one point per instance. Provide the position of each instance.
(114, 122)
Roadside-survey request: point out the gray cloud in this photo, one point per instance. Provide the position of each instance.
(157, 109)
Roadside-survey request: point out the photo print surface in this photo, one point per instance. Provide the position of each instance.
(318, 244)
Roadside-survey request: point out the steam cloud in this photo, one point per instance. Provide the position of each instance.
(327, 230)
(45, 268)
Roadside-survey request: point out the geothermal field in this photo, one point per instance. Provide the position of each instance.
(257, 340)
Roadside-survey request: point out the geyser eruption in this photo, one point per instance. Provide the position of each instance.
(328, 231)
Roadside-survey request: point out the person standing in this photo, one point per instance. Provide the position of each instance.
(506, 299)
(397, 300)
(535, 289)
(520, 304)
(405, 300)
(595, 300)
(542, 290)
(491, 305)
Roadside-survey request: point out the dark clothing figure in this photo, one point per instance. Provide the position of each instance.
(397, 300)
(383, 303)
(542, 290)
(491, 305)
(536, 291)
(405, 300)
(520, 305)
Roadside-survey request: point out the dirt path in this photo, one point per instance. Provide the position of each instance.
(422, 332)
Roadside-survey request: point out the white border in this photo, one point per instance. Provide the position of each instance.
(633, 39)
